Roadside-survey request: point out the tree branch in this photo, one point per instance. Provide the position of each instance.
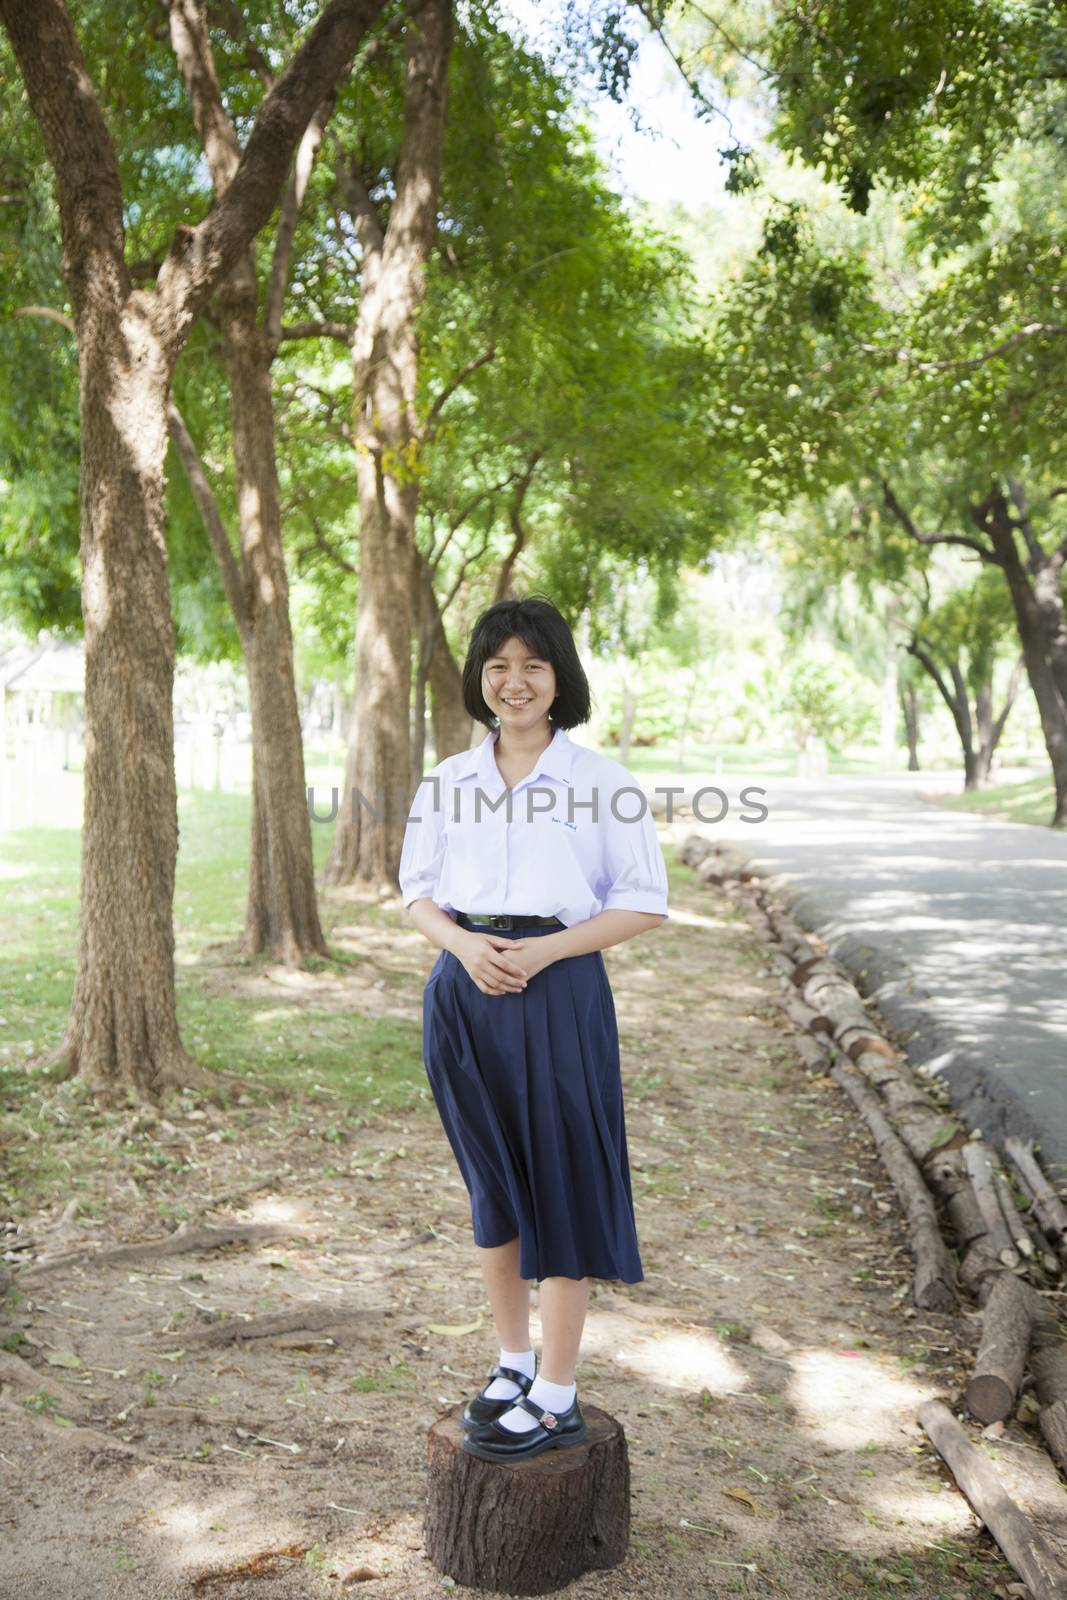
(694, 89)
(355, 197)
(1033, 544)
(518, 532)
(48, 314)
(208, 506)
(761, 67)
(233, 20)
(430, 425)
(456, 519)
(916, 648)
(893, 505)
(341, 331)
(202, 256)
(295, 190)
(963, 362)
(1009, 698)
(192, 49)
(322, 544)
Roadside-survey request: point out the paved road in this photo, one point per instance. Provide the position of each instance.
(955, 925)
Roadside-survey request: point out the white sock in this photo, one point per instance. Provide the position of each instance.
(522, 1361)
(554, 1397)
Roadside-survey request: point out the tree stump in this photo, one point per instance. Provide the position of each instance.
(527, 1527)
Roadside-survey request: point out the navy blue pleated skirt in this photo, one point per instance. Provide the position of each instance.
(529, 1092)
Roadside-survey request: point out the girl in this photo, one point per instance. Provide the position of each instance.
(523, 859)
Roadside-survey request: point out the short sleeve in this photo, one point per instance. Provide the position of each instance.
(423, 852)
(634, 868)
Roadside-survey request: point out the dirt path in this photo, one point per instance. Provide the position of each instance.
(767, 1371)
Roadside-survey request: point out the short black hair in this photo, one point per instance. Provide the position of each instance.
(545, 632)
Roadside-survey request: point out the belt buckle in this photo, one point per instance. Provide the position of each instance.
(502, 920)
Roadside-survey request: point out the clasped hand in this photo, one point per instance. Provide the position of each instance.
(502, 966)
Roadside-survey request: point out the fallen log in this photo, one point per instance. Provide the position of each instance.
(980, 1171)
(934, 1288)
(695, 849)
(759, 919)
(1010, 1212)
(184, 1240)
(1048, 1367)
(863, 1041)
(1048, 1207)
(877, 1070)
(332, 1320)
(961, 1207)
(1032, 1557)
(781, 963)
(813, 966)
(811, 1052)
(923, 1131)
(792, 936)
(839, 1000)
(804, 1017)
(1007, 1318)
(979, 1269)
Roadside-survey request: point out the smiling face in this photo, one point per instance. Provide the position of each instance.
(518, 686)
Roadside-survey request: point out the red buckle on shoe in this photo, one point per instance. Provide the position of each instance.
(548, 1419)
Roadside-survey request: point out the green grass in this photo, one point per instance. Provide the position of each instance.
(361, 1065)
(1032, 802)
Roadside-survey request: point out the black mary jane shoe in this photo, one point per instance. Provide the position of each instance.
(479, 1411)
(553, 1430)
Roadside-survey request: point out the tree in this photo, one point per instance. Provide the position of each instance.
(395, 236)
(560, 404)
(822, 695)
(811, 358)
(122, 1031)
(956, 644)
(281, 915)
(581, 446)
(956, 120)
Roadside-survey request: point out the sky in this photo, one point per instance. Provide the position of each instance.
(679, 160)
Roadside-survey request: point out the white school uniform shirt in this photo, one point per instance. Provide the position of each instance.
(556, 856)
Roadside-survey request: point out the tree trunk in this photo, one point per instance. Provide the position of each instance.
(1051, 705)
(122, 1031)
(909, 702)
(887, 734)
(377, 789)
(281, 915)
(629, 717)
(452, 726)
(378, 775)
(1038, 605)
(976, 758)
(418, 712)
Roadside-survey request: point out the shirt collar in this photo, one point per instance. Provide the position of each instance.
(555, 760)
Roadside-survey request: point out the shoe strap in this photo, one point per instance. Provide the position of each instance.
(521, 1378)
(535, 1411)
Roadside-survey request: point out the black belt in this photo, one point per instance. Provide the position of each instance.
(507, 919)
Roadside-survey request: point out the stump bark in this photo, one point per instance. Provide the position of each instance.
(527, 1527)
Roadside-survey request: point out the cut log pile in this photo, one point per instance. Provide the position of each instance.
(1010, 1259)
